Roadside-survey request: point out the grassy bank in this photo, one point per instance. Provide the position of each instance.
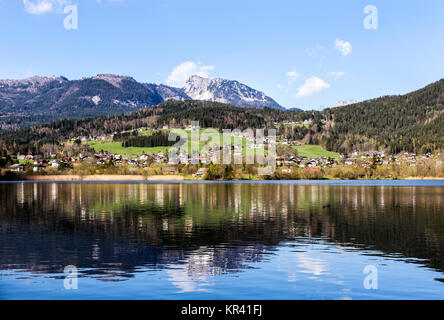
(229, 172)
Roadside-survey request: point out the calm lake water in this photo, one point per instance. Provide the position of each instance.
(286, 240)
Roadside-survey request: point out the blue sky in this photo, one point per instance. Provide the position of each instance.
(308, 54)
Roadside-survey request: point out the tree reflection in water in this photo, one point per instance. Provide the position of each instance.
(114, 231)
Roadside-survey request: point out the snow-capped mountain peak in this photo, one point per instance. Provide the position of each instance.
(227, 91)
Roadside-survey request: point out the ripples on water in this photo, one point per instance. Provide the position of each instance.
(222, 240)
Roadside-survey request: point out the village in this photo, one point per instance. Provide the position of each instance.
(167, 162)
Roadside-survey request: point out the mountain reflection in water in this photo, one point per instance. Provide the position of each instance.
(197, 233)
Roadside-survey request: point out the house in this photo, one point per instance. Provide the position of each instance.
(133, 162)
(55, 164)
(168, 170)
(205, 160)
(286, 170)
(350, 161)
(312, 163)
(67, 159)
(41, 161)
(17, 168)
(200, 172)
(38, 167)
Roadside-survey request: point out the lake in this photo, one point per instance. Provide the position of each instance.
(260, 240)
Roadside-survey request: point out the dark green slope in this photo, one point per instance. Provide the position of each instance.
(411, 122)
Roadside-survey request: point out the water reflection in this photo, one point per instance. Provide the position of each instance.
(199, 232)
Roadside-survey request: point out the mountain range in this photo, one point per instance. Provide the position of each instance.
(410, 122)
(413, 122)
(37, 100)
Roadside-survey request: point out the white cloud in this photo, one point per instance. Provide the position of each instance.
(185, 70)
(45, 6)
(39, 7)
(293, 75)
(344, 47)
(311, 86)
(336, 74)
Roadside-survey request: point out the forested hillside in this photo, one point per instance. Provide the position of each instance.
(172, 113)
(412, 122)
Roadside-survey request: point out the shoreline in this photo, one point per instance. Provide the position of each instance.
(104, 178)
(166, 178)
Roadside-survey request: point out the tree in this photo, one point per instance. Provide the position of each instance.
(228, 172)
(213, 172)
(284, 150)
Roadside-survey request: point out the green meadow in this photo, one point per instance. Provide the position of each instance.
(310, 151)
(116, 147)
(315, 151)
